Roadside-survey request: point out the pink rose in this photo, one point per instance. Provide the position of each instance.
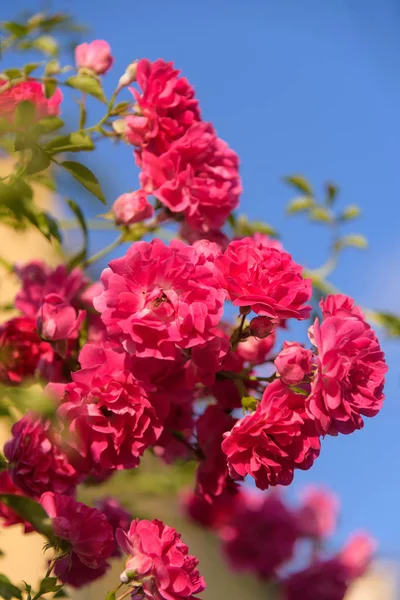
(318, 514)
(322, 580)
(37, 462)
(31, 91)
(160, 560)
(132, 208)
(7, 516)
(116, 515)
(95, 56)
(264, 279)
(256, 351)
(293, 363)
(339, 305)
(88, 534)
(58, 320)
(215, 514)
(357, 554)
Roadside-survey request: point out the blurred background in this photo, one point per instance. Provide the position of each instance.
(294, 87)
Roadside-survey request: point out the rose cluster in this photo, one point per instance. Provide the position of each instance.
(265, 536)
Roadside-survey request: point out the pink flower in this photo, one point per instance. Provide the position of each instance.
(7, 515)
(132, 208)
(293, 363)
(159, 298)
(110, 417)
(350, 374)
(256, 351)
(263, 327)
(198, 176)
(116, 515)
(318, 514)
(166, 103)
(339, 305)
(88, 534)
(213, 235)
(160, 560)
(37, 462)
(322, 580)
(206, 361)
(261, 537)
(173, 442)
(58, 320)
(95, 56)
(357, 554)
(31, 91)
(271, 442)
(22, 352)
(212, 474)
(264, 279)
(215, 514)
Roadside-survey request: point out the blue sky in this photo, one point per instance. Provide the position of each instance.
(310, 87)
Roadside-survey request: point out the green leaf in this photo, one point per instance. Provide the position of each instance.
(110, 596)
(3, 462)
(300, 204)
(25, 114)
(80, 256)
(48, 226)
(29, 68)
(350, 212)
(85, 178)
(49, 124)
(120, 107)
(332, 192)
(46, 44)
(49, 584)
(321, 213)
(16, 29)
(50, 86)
(52, 68)
(40, 161)
(88, 84)
(354, 240)
(300, 183)
(23, 188)
(61, 594)
(31, 511)
(5, 125)
(73, 142)
(7, 589)
(390, 321)
(13, 73)
(44, 179)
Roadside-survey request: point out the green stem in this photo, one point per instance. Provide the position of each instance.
(237, 334)
(125, 594)
(103, 252)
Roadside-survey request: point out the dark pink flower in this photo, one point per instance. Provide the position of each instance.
(263, 327)
(174, 441)
(264, 279)
(261, 536)
(215, 514)
(357, 554)
(159, 298)
(116, 515)
(85, 532)
(254, 350)
(110, 416)
(350, 374)
(206, 361)
(293, 363)
(322, 580)
(212, 474)
(7, 515)
(37, 463)
(22, 352)
(131, 208)
(58, 320)
(160, 560)
(318, 513)
(95, 56)
(213, 235)
(339, 305)
(166, 106)
(198, 176)
(31, 91)
(271, 442)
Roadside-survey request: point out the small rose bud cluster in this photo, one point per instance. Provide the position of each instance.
(261, 535)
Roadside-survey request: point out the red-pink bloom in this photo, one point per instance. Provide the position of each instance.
(357, 554)
(339, 305)
(174, 441)
(116, 515)
(293, 363)
(166, 104)
(37, 463)
(31, 91)
(22, 352)
(215, 514)
(350, 374)
(271, 442)
(206, 361)
(95, 56)
(132, 207)
(263, 327)
(88, 534)
(110, 417)
(213, 235)
(261, 240)
(261, 536)
(159, 298)
(212, 474)
(58, 320)
(198, 176)
(264, 279)
(7, 515)
(160, 561)
(322, 580)
(254, 350)
(318, 513)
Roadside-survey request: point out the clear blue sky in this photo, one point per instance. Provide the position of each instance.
(294, 86)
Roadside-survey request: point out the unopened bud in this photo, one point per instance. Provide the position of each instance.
(262, 327)
(129, 76)
(119, 126)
